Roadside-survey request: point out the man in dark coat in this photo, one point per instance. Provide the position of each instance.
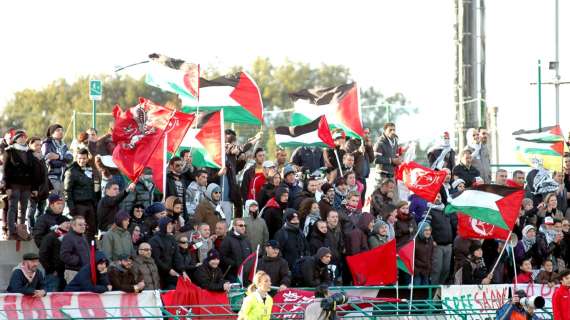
(165, 253)
(57, 156)
(386, 152)
(327, 200)
(176, 182)
(37, 205)
(314, 269)
(272, 213)
(308, 158)
(209, 276)
(235, 249)
(291, 238)
(26, 278)
(82, 281)
(275, 266)
(443, 229)
(52, 217)
(465, 169)
(109, 205)
(74, 251)
(145, 267)
(49, 257)
(122, 276)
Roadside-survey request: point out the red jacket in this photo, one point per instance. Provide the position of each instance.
(561, 303)
(524, 277)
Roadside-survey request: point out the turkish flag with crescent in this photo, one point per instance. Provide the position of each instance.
(469, 228)
(422, 181)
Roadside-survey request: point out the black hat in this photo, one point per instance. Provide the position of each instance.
(212, 254)
(31, 256)
(273, 244)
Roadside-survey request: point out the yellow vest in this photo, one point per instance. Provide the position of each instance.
(253, 307)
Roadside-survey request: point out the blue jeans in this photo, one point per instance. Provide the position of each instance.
(53, 283)
(420, 280)
(18, 205)
(35, 210)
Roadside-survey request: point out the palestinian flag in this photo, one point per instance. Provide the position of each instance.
(315, 133)
(237, 94)
(174, 75)
(206, 140)
(494, 204)
(541, 148)
(338, 104)
(406, 257)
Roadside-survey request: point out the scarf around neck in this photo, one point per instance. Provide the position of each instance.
(29, 274)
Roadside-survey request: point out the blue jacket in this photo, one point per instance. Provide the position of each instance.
(82, 280)
(56, 167)
(20, 284)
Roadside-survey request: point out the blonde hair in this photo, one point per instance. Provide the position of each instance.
(257, 280)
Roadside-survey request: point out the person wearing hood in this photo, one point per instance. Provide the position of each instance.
(309, 213)
(473, 270)
(165, 253)
(275, 266)
(52, 217)
(441, 155)
(209, 276)
(423, 255)
(174, 209)
(26, 279)
(49, 257)
(122, 276)
(257, 232)
(82, 281)
(235, 249)
(406, 226)
(145, 268)
(117, 241)
(528, 248)
(357, 238)
(137, 219)
(268, 190)
(153, 215)
(379, 234)
(210, 210)
(109, 205)
(465, 169)
(314, 269)
(196, 191)
(443, 229)
(57, 157)
(273, 212)
(143, 193)
(293, 243)
(318, 237)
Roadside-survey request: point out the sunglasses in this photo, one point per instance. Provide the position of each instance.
(144, 249)
(240, 225)
(183, 242)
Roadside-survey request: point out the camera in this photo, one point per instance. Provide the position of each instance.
(535, 302)
(330, 303)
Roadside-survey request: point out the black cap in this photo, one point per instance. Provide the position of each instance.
(31, 256)
(273, 244)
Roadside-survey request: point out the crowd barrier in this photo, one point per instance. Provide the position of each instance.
(430, 302)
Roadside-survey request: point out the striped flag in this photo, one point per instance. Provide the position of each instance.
(406, 257)
(206, 141)
(248, 267)
(339, 104)
(315, 133)
(541, 148)
(174, 75)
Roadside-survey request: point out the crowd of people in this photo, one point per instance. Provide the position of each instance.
(303, 214)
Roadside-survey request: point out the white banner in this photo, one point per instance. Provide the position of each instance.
(481, 301)
(81, 305)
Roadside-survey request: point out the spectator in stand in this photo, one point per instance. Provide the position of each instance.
(186, 264)
(473, 270)
(314, 269)
(318, 237)
(137, 219)
(165, 253)
(441, 155)
(145, 268)
(143, 193)
(383, 195)
(49, 257)
(188, 170)
(196, 191)
(201, 242)
(340, 193)
(549, 241)
(547, 275)
(549, 207)
(501, 177)
(528, 248)
(109, 205)
(465, 169)
(519, 178)
(349, 213)
(26, 278)
(220, 234)
(117, 241)
(386, 152)
(105, 145)
(525, 272)
(92, 141)
(461, 250)
(174, 210)
(347, 161)
(109, 173)
(423, 255)
(335, 237)
(310, 192)
(52, 217)
(21, 179)
(357, 238)
(480, 153)
(309, 213)
(176, 183)
(406, 226)
(210, 210)
(291, 182)
(307, 159)
(122, 276)
(390, 213)
(209, 276)
(561, 297)
(291, 238)
(82, 280)
(418, 207)
(446, 187)
(254, 176)
(275, 266)
(57, 157)
(443, 226)
(379, 234)
(153, 215)
(37, 204)
(457, 187)
(74, 251)
(280, 159)
(257, 232)
(353, 185)
(561, 193)
(79, 189)
(268, 190)
(273, 212)
(235, 249)
(327, 200)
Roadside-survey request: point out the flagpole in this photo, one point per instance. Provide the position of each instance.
(256, 260)
(414, 262)
(514, 266)
(339, 164)
(164, 164)
(501, 254)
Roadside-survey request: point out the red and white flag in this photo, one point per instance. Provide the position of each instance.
(471, 228)
(422, 181)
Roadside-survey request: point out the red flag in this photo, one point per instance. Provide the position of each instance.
(248, 267)
(365, 266)
(137, 133)
(175, 132)
(470, 228)
(191, 297)
(406, 257)
(422, 181)
(93, 263)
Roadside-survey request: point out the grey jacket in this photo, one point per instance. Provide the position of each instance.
(257, 232)
(117, 242)
(194, 194)
(384, 151)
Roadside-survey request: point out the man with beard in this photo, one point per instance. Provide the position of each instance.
(291, 238)
(386, 152)
(275, 266)
(145, 268)
(188, 170)
(235, 248)
(196, 191)
(257, 232)
(26, 278)
(176, 182)
(327, 200)
(272, 213)
(210, 210)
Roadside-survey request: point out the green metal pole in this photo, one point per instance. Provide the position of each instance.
(94, 119)
(539, 97)
(74, 124)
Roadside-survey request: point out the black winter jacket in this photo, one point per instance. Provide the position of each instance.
(107, 208)
(208, 278)
(292, 243)
(443, 226)
(277, 268)
(44, 224)
(49, 254)
(74, 251)
(314, 273)
(21, 168)
(20, 284)
(233, 251)
(78, 187)
(165, 254)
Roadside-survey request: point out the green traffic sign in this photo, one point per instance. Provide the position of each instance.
(95, 90)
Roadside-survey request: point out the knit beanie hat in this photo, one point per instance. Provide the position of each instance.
(51, 129)
(323, 251)
(212, 255)
(154, 209)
